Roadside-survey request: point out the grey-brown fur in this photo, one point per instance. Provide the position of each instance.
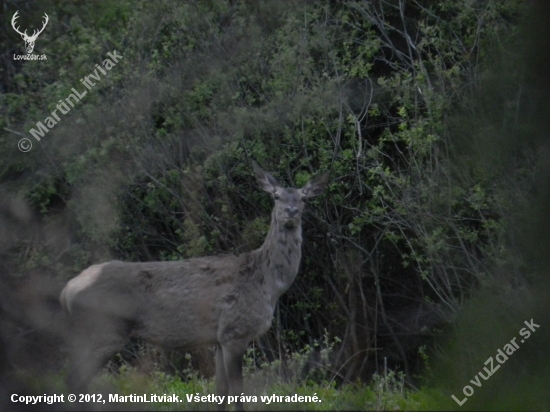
(223, 300)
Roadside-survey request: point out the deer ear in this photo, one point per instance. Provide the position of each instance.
(266, 181)
(316, 185)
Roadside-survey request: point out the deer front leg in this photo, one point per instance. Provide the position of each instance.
(222, 384)
(233, 361)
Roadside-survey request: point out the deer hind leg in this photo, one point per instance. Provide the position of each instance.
(89, 356)
(233, 362)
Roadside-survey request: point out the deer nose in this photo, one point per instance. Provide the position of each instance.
(291, 210)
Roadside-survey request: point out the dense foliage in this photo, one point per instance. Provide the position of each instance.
(155, 162)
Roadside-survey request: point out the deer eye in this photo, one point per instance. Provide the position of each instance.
(276, 196)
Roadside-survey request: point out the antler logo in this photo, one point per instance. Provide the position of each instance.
(29, 40)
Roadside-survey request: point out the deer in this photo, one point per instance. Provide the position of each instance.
(225, 300)
(29, 40)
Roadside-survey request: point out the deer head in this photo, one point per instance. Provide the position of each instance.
(289, 202)
(29, 40)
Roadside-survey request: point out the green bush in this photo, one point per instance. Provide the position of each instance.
(155, 162)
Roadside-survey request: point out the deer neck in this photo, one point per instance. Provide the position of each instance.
(280, 256)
